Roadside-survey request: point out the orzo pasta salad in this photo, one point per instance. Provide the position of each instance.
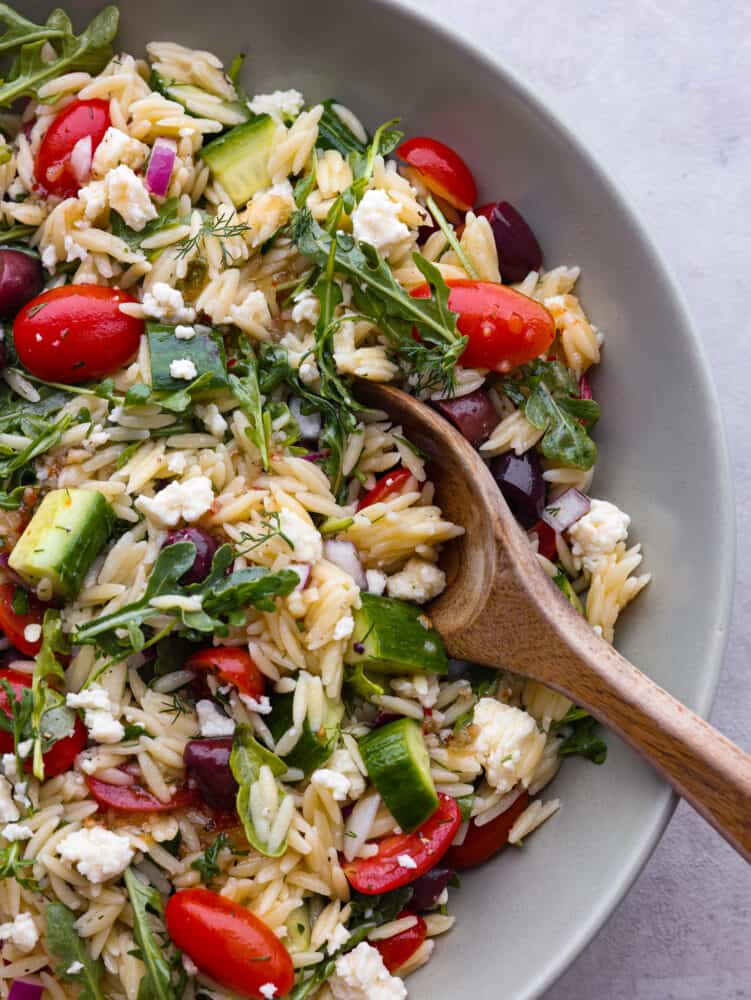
(236, 760)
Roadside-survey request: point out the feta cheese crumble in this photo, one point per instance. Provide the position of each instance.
(333, 781)
(8, 809)
(376, 581)
(212, 419)
(595, 535)
(186, 501)
(183, 332)
(98, 854)
(376, 221)
(507, 743)
(100, 714)
(344, 627)
(361, 975)
(307, 308)
(419, 581)
(17, 831)
(279, 104)
(268, 990)
(183, 368)
(165, 302)
(305, 539)
(22, 932)
(116, 148)
(128, 196)
(211, 721)
(339, 936)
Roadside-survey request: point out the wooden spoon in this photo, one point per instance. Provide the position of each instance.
(501, 609)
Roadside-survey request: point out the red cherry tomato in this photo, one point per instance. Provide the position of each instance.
(545, 540)
(13, 624)
(386, 487)
(135, 798)
(482, 842)
(229, 943)
(442, 170)
(505, 328)
(60, 756)
(55, 170)
(397, 950)
(234, 666)
(426, 846)
(76, 332)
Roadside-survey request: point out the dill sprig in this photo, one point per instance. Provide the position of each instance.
(220, 226)
(271, 527)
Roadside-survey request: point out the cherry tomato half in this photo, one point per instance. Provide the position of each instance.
(13, 624)
(135, 798)
(426, 846)
(61, 755)
(442, 170)
(234, 665)
(397, 950)
(482, 842)
(505, 328)
(386, 487)
(76, 332)
(56, 169)
(229, 943)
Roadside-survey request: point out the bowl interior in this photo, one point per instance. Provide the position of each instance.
(525, 916)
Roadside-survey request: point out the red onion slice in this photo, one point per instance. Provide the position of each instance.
(344, 555)
(303, 571)
(21, 990)
(565, 510)
(159, 170)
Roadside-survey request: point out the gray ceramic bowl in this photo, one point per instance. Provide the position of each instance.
(525, 916)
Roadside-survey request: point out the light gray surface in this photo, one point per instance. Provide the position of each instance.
(659, 92)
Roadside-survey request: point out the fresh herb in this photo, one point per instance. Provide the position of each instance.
(243, 383)
(12, 865)
(547, 394)
(208, 863)
(581, 737)
(16, 469)
(20, 601)
(219, 226)
(176, 708)
(132, 731)
(25, 41)
(440, 220)
(334, 134)
(223, 597)
(466, 803)
(17, 233)
(146, 904)
(270, 528)
(246, 760)
(67, 946)
(15, 717)
(167, 218)
(51, 719)
(381, 299)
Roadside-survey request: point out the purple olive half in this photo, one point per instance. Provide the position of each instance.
(519, 479)
(474, 415)
(206, 545)
(21, 279)
(207, 762)
(426, 890)
(518, 249)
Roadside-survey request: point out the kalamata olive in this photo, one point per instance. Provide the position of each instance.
(518, 249)
(207, 762)
(474, 415)
(206, 545)
(427, 889)
(519, 479)
(21, 279)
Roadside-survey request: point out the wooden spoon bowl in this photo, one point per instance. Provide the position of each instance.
(500, 609)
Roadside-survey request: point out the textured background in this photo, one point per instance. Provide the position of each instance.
(660, 92)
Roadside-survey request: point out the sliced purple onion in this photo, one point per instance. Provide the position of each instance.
(315, 456)
(518, 249)
(519, 479)
(21, 990)
(344, 555)
(474, 415)
(309, 423)
(207, 762)
(206, 546)
(303, 571)
(159, 170)
(585, 389)
(427, 889)
(565, 510)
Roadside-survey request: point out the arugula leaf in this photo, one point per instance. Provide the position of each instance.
(246, 391)
(66, 945)
(89, 52)
(12, 866)
(334, 134)
(168, 218)
(45, 439)
(246, 760)
(51, 719)
(582, 738)
(145, 900)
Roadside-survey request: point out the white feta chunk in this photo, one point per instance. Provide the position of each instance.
(98, 854)
(279, 104)
(419, 581)
(339, 936)
(164, 302)
(267, 990)
(117, 148)
(361, 975)
(100, 715)
(595, 535)
(211, 721)
(376, 581)
(8, 809)
(17, 831)
(10, 766)
(333, 781)
(183, 368)
(306, 308)
(260, 705)
(376, 221)
(344, 627)
(127, 194)
(212, 419)
(94, 199)
(183, 332)
(507, 744)
(306, 541)
(186, 501)
(22, 932)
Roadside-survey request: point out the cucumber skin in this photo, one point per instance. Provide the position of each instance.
(206, 351)
(82, 550)
(310, 751)
(404, 784)
(176, 92)
(395, 639)
(231, 148)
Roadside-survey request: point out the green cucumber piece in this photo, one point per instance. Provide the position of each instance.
(61, 541)
(298, 928)
(245, 761)
(394, 637)
(563, 583)
(397, 762)
(312, 750)
(239, 158)
(200, 103)
(363, 686)
(205, 350)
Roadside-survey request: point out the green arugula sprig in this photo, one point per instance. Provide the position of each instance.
(243, 383)
(208, 862)
(67, 946)
(51, 719)
(12, 865)
(223, 598)
(581, 737)
(270, 528)
(146, 904)
(547, 394)
(89, 52)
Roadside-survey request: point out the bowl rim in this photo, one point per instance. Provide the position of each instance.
(632, 863)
